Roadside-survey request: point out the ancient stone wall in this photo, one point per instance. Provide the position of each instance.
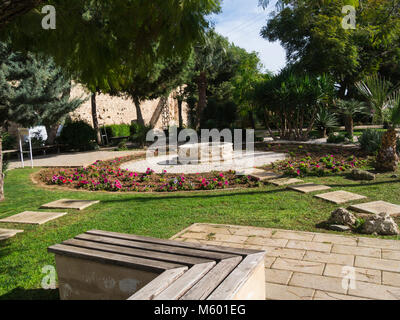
(118, 110)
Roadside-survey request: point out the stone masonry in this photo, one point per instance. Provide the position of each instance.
(119, 110)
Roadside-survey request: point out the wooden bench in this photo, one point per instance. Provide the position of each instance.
(114, 266)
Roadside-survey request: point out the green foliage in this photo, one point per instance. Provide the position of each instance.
(313, 36)
(78, 135)
(33, 91)
(118, 130)
(370, 141)
(337, 138)
(140, 133)
(9, 141)
(380, 94)
(325, 120)
(292, 101)
(94, 39)
(351, 107)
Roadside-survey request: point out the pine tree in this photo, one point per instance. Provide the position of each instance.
(33, 91)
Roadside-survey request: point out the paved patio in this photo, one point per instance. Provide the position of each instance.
(313, 266)
(78, 159)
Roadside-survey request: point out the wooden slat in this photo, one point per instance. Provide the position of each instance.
(157, 247)
(117, 259)
(185, 282)
(242, 252)
(202, 289)
(237, 278)
(159, 256)
(159, 284)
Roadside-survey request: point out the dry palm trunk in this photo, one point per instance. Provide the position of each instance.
(387, 159)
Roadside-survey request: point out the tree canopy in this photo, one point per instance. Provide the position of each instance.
(94, 38)
(313, 36)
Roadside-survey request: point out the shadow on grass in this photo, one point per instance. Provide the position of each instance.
(367, 184)
(31, 294)
(196, 196)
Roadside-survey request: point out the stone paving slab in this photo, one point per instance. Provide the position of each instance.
(8, 233)
(309, 187)
(312, 266)
(339, 197)
(377, 207)
(31, 217)
(69, 204)
(285, 181)
(265, 175)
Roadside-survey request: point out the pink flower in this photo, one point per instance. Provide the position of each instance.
(118, 184)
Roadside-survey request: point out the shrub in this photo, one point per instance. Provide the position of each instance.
(140, 133)
(118, 130)
(340, 138)
(9, 141)
(78, 135)
(370, 141)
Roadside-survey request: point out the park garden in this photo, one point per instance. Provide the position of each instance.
(327, 121)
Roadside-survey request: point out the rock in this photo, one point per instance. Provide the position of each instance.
(382, 224)
(387, 159)
(357, 174)
(342, 217)
(336, 227)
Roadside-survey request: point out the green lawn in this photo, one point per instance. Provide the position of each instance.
(158, 215)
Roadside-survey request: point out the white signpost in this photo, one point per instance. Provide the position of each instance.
(22, 132)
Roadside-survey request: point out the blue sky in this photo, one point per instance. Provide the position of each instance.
(241, 21)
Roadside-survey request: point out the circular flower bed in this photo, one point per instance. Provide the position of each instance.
(307, 160)
(108, 176)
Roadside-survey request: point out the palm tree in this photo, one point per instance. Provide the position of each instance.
(325, 120)
(387, 159)
(349, 108)
(378, 91)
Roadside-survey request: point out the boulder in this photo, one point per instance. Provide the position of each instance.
(342, 217)
(382, 224)
(357, 174)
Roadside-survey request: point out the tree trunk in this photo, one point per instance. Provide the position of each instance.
(252, 120)
(202, 87)
(387, 159)
(180, 116)
(52, 133)
(139, 115)
(1, 168)
(95, 119)
(349, 126)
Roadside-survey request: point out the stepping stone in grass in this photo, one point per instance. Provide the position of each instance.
(285, 181)
(339, 197)
(8, 233)
(30, 217)
(265, 175)
(377, 207)
(309, 187)
(69, 204)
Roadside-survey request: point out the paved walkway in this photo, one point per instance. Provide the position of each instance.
(313, 266)
(239, 162)
(77, 159)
